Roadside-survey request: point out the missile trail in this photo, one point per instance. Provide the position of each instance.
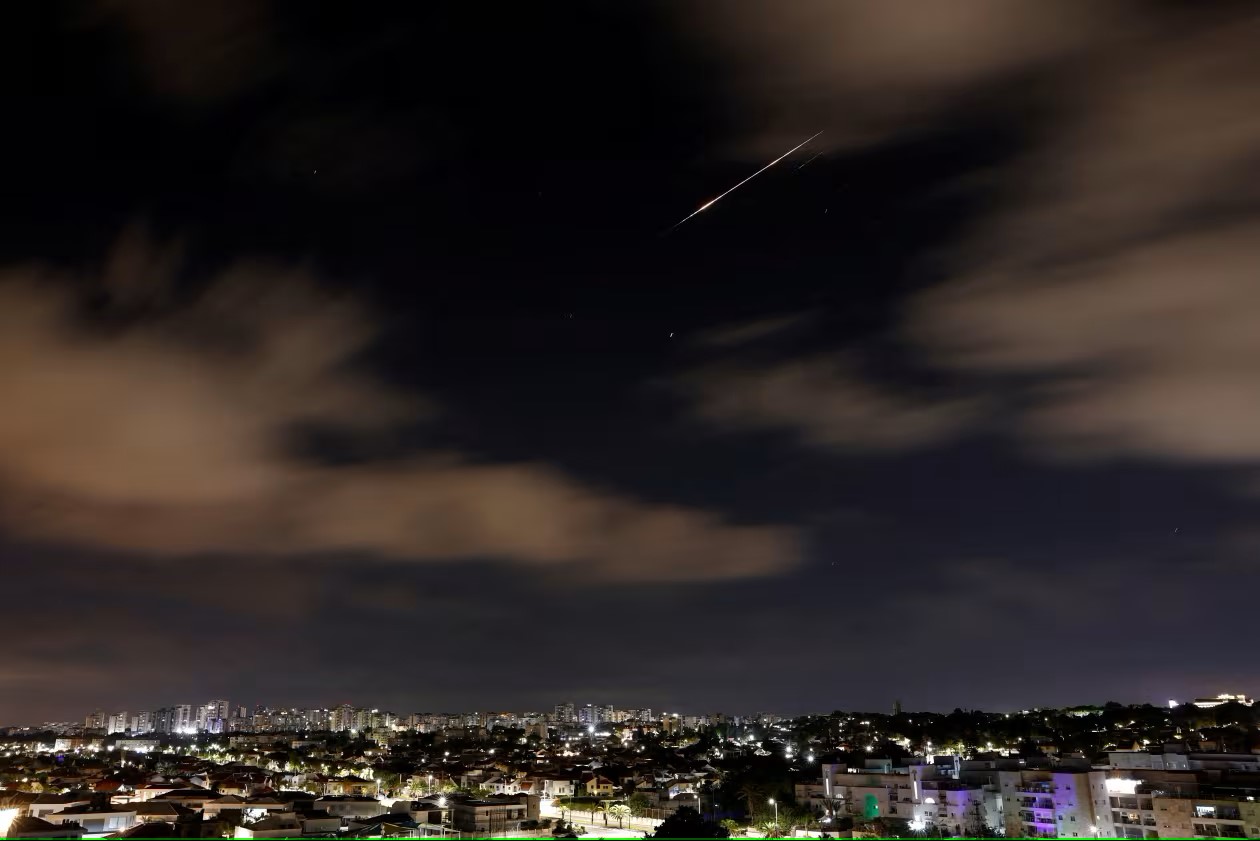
(810, 161)
(712, 202)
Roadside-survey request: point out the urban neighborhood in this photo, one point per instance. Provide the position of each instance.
(211, 770)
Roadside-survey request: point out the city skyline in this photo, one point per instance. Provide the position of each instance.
(191, 719)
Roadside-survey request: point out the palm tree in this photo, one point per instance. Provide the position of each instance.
(768, 828)
(602, 808)
(754, 795)
(620, 811)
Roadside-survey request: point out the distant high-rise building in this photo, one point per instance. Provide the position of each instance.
(142, 722)
(117, 723)
(342, 718)
(185, 719)
(95, 721)
(215, 716)
(566, 713)
(164, 720)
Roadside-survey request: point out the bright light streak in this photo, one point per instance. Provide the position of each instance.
(712, 202)
(6, 819)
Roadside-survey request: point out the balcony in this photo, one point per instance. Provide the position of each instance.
(1035, 788)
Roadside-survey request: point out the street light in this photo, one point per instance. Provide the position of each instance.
(776, 815)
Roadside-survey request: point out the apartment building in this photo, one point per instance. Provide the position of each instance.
(1204, 816)
(493, 815)
(929, 797)
(1061, 803)
(863, 793)
(1178, 806)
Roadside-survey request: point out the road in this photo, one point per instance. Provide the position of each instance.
(634, 828)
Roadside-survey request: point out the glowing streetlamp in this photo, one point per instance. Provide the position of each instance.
(776, 814)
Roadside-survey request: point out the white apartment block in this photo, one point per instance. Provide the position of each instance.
(928, 797)
(1064, 804)
(961, 800)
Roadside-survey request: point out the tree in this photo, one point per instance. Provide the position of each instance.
(687, 823)
(639, 803)
(754, 795)
(620, 811)
(888, 827)
(733, 827)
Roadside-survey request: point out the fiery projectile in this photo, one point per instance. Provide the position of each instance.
(712, 202)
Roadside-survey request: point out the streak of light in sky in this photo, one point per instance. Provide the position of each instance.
(810, 161)
(714, 201)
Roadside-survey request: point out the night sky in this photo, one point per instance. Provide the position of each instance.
(344, 355)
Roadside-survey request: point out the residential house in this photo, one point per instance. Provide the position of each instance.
(280, 825)
(349, 807)
(192, 798)
(318, 822)
(556, 786)
(435, 811)
(96, 819)
(48, 803)
(159, 811)
(602, 787)
(28, 827)
(344, 786)
(493, 815)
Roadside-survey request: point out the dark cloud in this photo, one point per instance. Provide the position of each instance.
(860, 69)
(167, 436)
(827, 403)
(198, 52)
(1119, 275)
